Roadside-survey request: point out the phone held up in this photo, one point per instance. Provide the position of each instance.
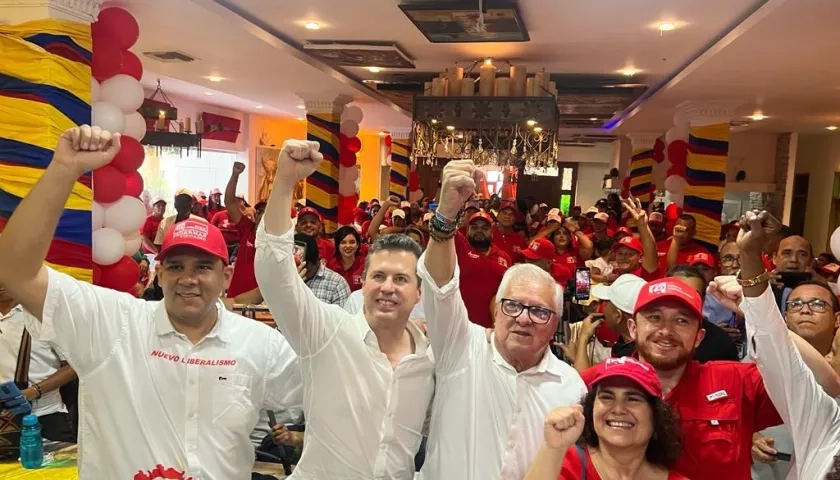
(583, 282)
(299, 252)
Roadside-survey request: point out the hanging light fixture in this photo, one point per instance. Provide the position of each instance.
(164, 134)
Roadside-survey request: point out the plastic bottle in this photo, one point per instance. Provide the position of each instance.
(31, 443)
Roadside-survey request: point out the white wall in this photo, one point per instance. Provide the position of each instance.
(819, 156)
(755, 154)
(593, 162)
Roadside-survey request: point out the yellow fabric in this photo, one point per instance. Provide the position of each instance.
(29, 62)
(79, 32)
(718, 132)
(314, 194)
(83, 274)
(34, 123)
(18, 180)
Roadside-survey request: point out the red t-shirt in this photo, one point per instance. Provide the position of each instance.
(244, 278)
(149, 230)
(647, 276)
(573, 470)
(686, 251)
(352, 275)
(481, 276)
(511, 243)
(223, 223)
(326, 250)
(212, 212)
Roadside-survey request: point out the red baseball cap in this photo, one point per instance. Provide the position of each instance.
(829, 269)
(670, 289)
(624, 230)
(197, 234)
(656, 217)
(703, 258)
(641, 373)
(480, 215)
(309, 211)
(540, 249)
(629, 242)
(507, 205)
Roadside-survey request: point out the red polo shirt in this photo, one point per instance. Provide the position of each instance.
(511, 243)
(572, 469)
(481, 275)
(150, 228)
(720, 406)
(353, 275)
(229, 231)
(648, 276)
(244, 279)
(686, 251)
(326, 250)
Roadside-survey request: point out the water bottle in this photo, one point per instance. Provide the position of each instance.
(31, 443)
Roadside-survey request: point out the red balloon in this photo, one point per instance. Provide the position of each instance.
(354, 144)
(121, 276)
(108, 184)
(130, 156)
(678, 170)
(133, 184)
(107, 60)
(131, 65)
(678, 152)
(120, 25)
(388, 141)
(346, 205)
(625, 187)
(347, 158)
(342, 142)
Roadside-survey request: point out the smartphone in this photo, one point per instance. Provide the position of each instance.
(583, 282)
(272, 420)
(12, 399)
(299, 251)
(793, 279)
(783, 456)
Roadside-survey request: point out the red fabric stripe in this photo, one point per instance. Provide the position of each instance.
(64, 253)
(66, 51)
(24, 96)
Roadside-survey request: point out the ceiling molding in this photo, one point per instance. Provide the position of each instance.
(273, 37)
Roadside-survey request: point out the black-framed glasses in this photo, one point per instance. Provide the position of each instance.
(514, 309)
(729, 260)
(815, 305)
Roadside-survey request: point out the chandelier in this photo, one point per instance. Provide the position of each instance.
(511, 121)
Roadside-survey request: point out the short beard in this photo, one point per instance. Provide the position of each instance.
(658, 363)
(479, 244)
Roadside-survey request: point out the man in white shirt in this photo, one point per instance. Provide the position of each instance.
(492, 396)
(368, 379)
(47, 372)
(166, 387)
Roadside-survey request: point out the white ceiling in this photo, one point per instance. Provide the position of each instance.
(784, 63)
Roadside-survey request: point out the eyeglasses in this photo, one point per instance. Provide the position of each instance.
(815, 305)
(514, 309)
(729, 260)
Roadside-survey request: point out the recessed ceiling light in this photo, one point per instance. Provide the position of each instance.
(831, 127)
(628, 71)
(259, 106)
(383, 133)
(667, 26)
(214, 78)
(593, 119)
(300, 118)
(302, 107)
(757, 116)
(208, 93)
(374, 69)
(312, 25)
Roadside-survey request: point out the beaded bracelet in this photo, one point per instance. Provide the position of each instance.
(443, 224)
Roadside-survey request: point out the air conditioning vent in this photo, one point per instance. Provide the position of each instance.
(172, 56)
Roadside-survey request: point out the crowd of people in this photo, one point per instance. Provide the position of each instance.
(434, 339)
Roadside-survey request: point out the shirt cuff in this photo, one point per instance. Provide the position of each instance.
(428, 283)
(762, 314)
(280, 245)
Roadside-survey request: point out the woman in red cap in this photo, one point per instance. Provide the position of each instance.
(623, 430)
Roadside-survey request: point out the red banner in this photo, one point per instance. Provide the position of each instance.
(218, 127)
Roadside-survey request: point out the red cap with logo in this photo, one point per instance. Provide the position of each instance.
(480, 215)
(629, 242)
(642, 373)
(625, 231)
(670, 289)
(309, 211)
(540, 249)
(507, 205)
(702, 258)
(196, 234)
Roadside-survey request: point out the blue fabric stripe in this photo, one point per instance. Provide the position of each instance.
(13, 151)
(74, 226)
(44, 39)
(70, 105)
(706, 176)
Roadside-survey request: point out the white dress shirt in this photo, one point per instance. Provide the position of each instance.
(150, 397)
(364, 417)
(487, 419)
(811, 416)
(44, 361)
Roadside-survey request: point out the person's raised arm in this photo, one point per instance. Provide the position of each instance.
(379, 218)
(650, 258)
(28, 233)
(231, 204)
(585, 246)
(563, 426)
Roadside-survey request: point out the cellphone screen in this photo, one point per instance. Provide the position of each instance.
(299, 252)
(582, 283)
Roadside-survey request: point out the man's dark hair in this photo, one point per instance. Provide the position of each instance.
(688, 218)
(664, 447)
(835, 304)
(393, 242)
(602, 244)
(687, 271)
(834, 474)
(829, 257)
(312, 255)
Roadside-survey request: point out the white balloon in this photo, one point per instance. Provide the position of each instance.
(135, 126)
(349, 128)
(98, 215)
(415, 196)
(834, 242)
(123, 91)
(683, 130)
(108, 246)
(126, 215)
(677, 198)
(358, 185)
(94, 90)
(108, 116)
(675, 184)
(353, 113)
(347, 180)
(132, 244)
(671, 135)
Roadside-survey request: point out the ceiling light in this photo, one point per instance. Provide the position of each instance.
(312, 25)
(628, 71)
(667, 26)
(757, 116)
(593, 119)
(831, 127)
(259, 106)
(302, 107)
(374, 69)
(383, 133)
(300, 118)
(209, 94)
(214, 78)
(488, 62)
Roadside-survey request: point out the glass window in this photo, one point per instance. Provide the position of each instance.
(566, 182)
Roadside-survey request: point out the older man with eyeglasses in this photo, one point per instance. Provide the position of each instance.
(491, 395)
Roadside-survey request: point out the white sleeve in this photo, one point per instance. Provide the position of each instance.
(83, 323)
(306, 322)
(283, 386)
(812, 417)
(355, 302)
(447, 323)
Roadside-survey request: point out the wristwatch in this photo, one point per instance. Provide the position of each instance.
(751, 282)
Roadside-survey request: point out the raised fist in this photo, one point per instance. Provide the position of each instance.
(85, 148)
(298, 159)
(563, 426)
(756, 226)
(238, 168)
(457, 186)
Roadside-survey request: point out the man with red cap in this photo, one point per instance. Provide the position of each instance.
(504, 237)
(682, 243)
(637, 255)
(309, 223)
(482, 267)
(184, 200)
(181, 381)
(541, 253)
(600, 229)
(705, 263)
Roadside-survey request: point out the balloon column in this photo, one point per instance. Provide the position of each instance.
(676, 152)
(348, 171)
(118, 214)
(414, 191)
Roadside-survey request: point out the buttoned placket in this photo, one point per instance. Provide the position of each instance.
(509, 465)
(192, 396)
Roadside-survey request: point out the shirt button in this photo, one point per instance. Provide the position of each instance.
(382, 447)
(510, 444)
(193, 415)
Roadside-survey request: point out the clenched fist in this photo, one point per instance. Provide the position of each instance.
(457, 186)
(563, 427)
(85, 148)
(238, 168)
(298, 159)
(756, 226)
